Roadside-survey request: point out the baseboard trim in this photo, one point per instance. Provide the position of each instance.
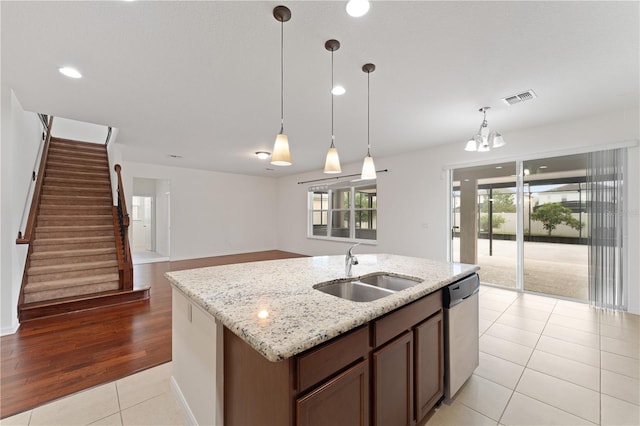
(177, 392)
(5, 331)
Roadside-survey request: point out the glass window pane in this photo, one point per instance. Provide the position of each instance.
(342, 198)
(340, 221)
(366, 224)
(555, 227)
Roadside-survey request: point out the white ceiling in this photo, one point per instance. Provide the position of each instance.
(201, 79)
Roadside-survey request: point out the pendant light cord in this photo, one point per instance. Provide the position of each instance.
(281, 77)
(332, 134)
(368, 113)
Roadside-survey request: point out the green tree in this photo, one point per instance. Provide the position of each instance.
(502, 203)
(498, 220)
(553, 214)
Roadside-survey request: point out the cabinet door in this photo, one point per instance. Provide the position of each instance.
(342, 401)
(429, 364)
(393, 382)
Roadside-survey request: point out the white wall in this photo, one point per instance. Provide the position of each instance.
(413, 196)
(21, 137)
(163, 218)
(213, 213)
(79, 131)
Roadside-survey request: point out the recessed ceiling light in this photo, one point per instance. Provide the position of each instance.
(338, 90)
(263, 155)
(357, 8)
(543, 167)
(70, 72)
(498, 167)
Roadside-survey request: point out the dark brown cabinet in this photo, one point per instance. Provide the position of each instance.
(342, 401)
(393, 378)
(387, 372)
(408, 375)
(429, 364)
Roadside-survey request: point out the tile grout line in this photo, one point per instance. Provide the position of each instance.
(119, 405)
(527, 363)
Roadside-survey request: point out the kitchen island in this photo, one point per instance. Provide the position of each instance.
(243, 333)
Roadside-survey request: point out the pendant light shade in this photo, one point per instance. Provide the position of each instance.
(281, 155)
(368, 167)
(332, 163)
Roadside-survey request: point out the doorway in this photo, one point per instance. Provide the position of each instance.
(525, 224)
(150, 219)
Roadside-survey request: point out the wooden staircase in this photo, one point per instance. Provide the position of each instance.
(76, 253)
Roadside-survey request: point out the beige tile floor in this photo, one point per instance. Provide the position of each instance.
(547, 361)
(543, 361)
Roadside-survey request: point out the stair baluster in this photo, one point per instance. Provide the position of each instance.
(126, 269)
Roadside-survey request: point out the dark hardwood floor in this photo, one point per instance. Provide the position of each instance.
(50, 358)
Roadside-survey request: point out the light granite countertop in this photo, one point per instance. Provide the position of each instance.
(299, 317)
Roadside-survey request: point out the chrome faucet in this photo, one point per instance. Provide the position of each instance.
(350, 260)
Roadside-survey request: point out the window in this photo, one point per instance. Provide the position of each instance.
(345, 210)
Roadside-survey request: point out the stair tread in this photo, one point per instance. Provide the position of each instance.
(72, 240)
(74, 187)
(73, 227)
(70, 282)
(67, 267)
(72, 253)
(77, 143)
(48, 196)
(74, 217)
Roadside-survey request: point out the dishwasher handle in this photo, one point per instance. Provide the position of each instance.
(460, 290)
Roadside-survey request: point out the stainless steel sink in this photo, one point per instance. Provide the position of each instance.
(389, 282)
(367, 289)
(355, 291)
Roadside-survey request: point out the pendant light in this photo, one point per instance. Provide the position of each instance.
(485, 139)
(281, 155)
(368, 167)
(332, 163)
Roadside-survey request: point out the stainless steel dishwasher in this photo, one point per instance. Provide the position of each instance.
(461, 346)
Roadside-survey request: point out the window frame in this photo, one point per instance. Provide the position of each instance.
(352, 186)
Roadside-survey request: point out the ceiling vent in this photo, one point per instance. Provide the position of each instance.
(520, 97)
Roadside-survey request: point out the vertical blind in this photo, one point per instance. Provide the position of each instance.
(606, 174)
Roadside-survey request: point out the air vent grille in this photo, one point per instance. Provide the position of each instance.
(520, 97)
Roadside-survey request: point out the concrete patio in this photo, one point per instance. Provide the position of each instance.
(550, 268)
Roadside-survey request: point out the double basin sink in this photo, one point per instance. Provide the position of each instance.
(367, 289)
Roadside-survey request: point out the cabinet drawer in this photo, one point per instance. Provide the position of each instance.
(318, 364)
(396, 322)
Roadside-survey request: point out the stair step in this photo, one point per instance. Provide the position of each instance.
(77, 166)
(63, 151)
(65, 156)
(61, 306)
(77, 145)
(75, 200)
(45, 258)
(78, 243)
(73, 231)
(62, 220)
(70, 270)
(71, 181)
(49, 290)
(75, 190)
(72, 174)
(61, 209)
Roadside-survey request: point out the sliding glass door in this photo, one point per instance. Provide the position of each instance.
(556, 231)
(542, 246)
(484, 221)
